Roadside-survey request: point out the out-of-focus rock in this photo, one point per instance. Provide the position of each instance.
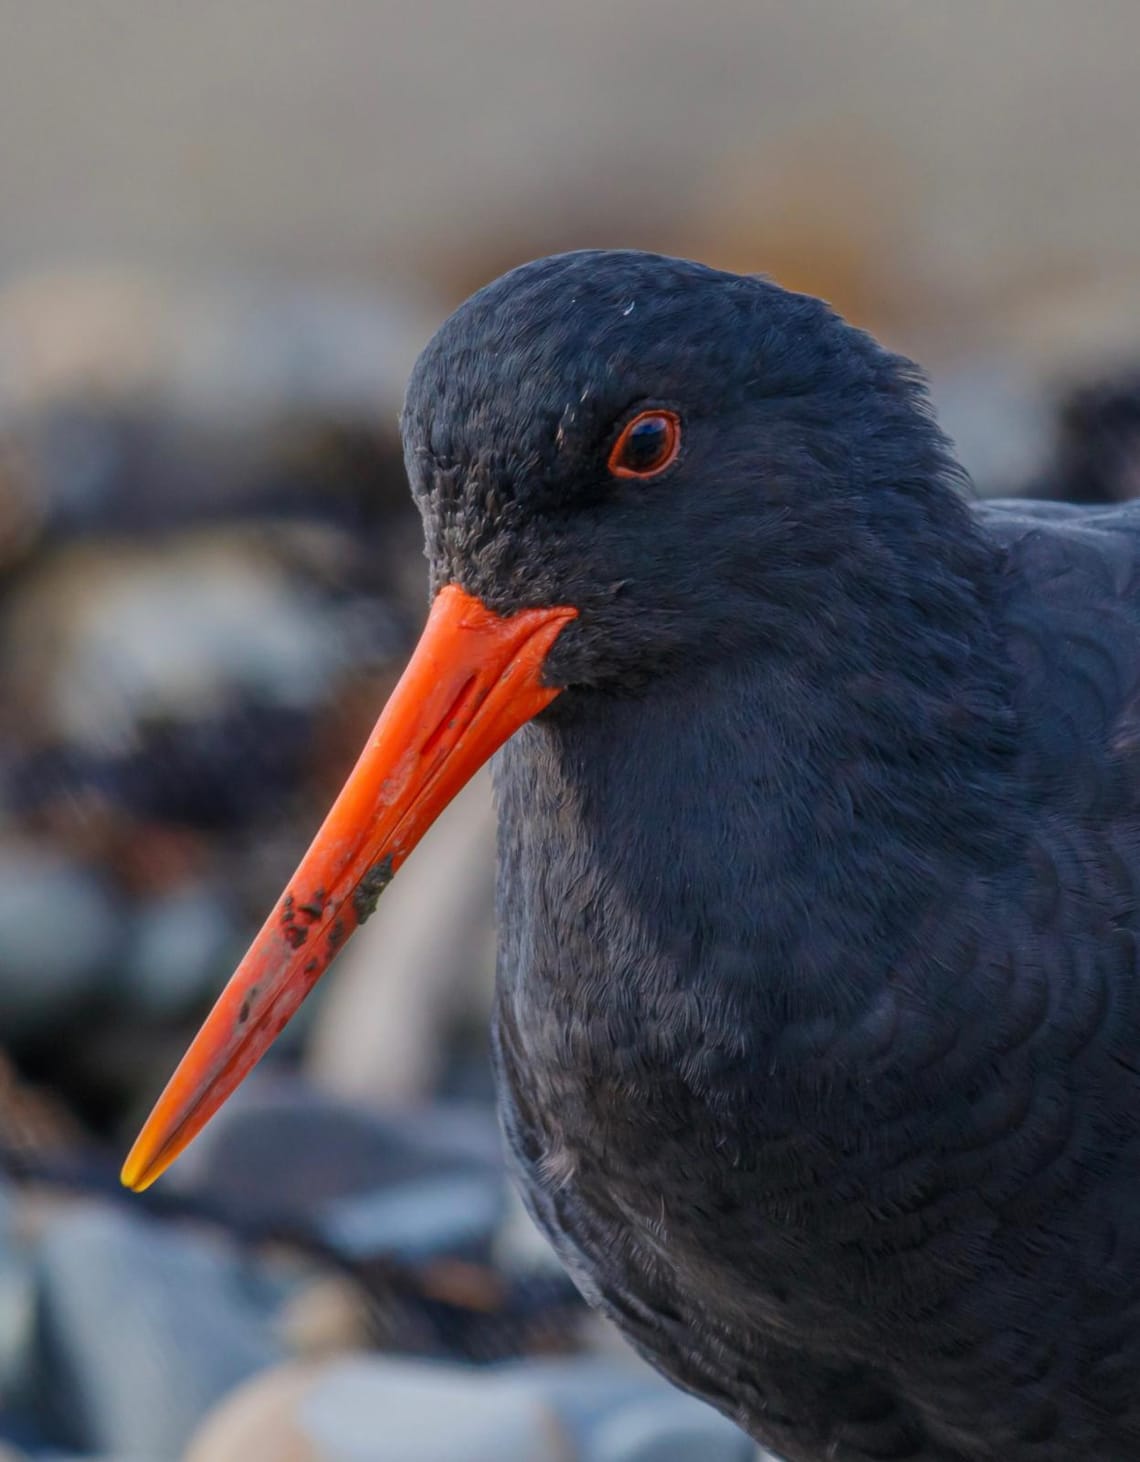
(454, 1214)
(584, 1391)
(17, 1313)
(669, 1428)
(1096, 455)
(221, 349)
(326, 1317)
(178, 947)
(111, 638)
(423, 963)
(372, 1410)
(21, 515)
(142, 1330)
(32, 1118)
(17, 1308)
(406, 1185)
(992, 409)
(520, 1245)
(59, 931)
(361, 1410)
(619, 1410)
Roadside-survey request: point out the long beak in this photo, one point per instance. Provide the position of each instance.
(472, 681)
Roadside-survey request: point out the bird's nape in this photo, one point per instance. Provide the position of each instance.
(474, 678)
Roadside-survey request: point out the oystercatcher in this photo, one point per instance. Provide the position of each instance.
(818, 1016)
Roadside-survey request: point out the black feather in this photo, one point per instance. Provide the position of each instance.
(818, 1028)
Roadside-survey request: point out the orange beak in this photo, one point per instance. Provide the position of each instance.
(472, 681)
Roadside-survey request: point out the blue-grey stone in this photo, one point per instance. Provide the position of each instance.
(668, 1427)
(143, 1327)
(583, 1390)
(403, 1185)
(179, 947)
(455, 1214)
(373, 1410)
(626, 1412)
(17, 1327)
(58, 935)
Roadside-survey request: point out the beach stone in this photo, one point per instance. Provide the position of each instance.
(363, 1409)
(407, 1185)
(669, 1427)
(178, 948)
(142, 1328)
(59, 930)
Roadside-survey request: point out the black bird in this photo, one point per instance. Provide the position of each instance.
(818, 1019)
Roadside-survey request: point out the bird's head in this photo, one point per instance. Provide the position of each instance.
(697, 462)
(629, 468)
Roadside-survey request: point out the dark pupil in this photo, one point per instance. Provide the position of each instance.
(645, 444)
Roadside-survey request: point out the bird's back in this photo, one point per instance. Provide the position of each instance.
(911, 1236)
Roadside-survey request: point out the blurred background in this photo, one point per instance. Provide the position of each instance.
(226, 230)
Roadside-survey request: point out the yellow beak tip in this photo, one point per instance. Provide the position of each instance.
(138, 1175)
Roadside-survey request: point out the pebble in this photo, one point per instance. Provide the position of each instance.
(362, 1409)
(408, 1186)
(673, 1428)
(111, 636)
(143, 1328)
(179, 947)
(17, 1329)
(379, 1409)
(59, 930)
(221, 349)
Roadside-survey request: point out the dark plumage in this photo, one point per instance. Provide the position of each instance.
(818, 1028)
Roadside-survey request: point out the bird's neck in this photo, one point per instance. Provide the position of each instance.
(767, 839)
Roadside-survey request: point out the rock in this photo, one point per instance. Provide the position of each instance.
(327, 1316)
(409, 1186)
(520, 1245)
(17, 1329)
(991, 407)
(455, 1214)
(669, 1427)
(59, 929)
(21, 513)
(142, 1329)
(584, 1391)
(222, 349)
(625, 1412)
(360, 1409)
(110, 637)
(380, 1410)
(179, 946)
(1096, 453)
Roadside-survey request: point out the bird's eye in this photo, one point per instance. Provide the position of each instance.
(647, 444)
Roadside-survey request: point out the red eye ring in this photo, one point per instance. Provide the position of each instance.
(623, 461)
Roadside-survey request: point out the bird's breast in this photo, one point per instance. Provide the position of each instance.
(688, 1047)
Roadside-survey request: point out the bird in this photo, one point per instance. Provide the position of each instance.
(817, 1021)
